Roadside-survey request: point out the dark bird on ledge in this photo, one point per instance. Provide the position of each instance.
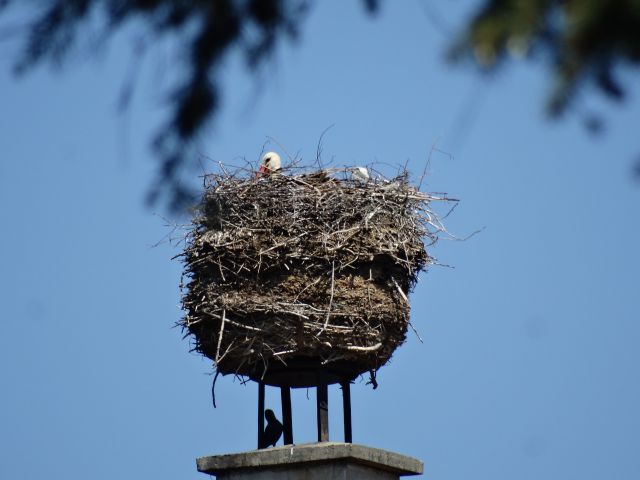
(273, 430)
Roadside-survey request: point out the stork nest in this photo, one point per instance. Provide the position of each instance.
(316, 268)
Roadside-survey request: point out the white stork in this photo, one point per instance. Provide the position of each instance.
(360, 173)
(269, 163)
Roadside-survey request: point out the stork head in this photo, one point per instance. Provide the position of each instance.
(360, 173)
(270, 162)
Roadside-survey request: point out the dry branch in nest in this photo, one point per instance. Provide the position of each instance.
(304, 269)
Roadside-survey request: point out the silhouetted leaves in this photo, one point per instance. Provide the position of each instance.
(636, 169)
(594, 124)
(209, 31)
(372, 6)
(583, 40)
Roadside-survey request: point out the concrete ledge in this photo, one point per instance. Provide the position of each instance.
(301, 456)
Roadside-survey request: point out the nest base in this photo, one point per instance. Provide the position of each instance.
(306, 372)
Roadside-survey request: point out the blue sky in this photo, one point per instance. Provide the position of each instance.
(529, 363)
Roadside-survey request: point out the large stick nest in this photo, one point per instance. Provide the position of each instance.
(304, 269)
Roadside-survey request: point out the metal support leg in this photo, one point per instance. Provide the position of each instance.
(346, 409)
(260, 413)
(287, 424)
(323, 413)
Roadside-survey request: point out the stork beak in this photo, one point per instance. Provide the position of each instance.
(263, 169)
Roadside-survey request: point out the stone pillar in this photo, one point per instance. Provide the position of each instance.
(312, 461)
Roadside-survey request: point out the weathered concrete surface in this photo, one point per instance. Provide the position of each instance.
(318, 471)
(313, 461)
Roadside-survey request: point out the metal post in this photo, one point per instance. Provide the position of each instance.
(287, 424)
(260, 413)
(323, 412)
(346, 409)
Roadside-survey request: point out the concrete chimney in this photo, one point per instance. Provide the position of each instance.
(313, 461)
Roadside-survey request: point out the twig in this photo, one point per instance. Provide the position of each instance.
(319, 147)
(416, 332)
(285, 352)
(372, 379)
(333, 273)
(213, 388)
(404, 297)
(222, 322)
(372, 348)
